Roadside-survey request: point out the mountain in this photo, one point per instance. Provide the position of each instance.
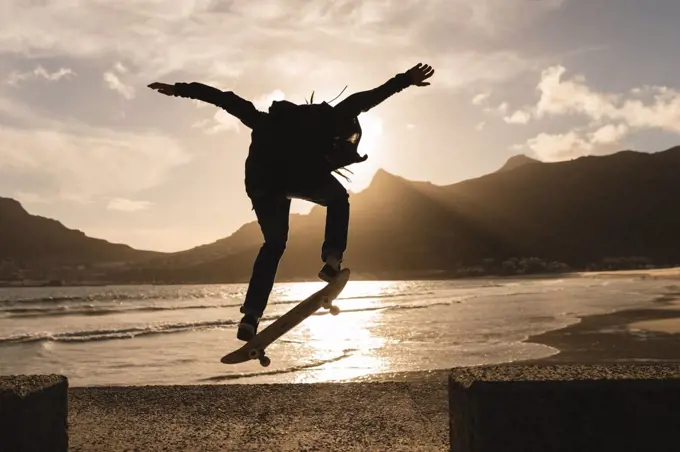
(517, 161)
(381, 243)
(576, 212)
(590, 210)
(42, 244)
(580, 211)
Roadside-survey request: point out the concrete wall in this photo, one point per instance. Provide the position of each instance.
(614, 407)
(33, 413)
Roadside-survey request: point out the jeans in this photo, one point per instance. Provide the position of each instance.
(273, 214)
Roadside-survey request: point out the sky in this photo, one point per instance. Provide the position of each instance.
(84, 141)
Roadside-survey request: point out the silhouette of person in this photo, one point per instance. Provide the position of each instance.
(273, 177)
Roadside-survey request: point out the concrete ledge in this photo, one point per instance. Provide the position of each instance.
(565, 407)
(33, 413)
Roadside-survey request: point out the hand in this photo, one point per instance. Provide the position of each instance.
(419, 73)
(163, 88)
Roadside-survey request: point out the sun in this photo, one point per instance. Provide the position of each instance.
(372, 131)
(362, 173)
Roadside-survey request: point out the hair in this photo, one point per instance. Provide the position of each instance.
(311, 98)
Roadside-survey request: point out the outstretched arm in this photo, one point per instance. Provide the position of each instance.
(363, 101)
(233, 104)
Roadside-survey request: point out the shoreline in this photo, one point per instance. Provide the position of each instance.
(389, 411)
(362, 278)
(630, 335)
(671, 272)
(639, 334)
(394, 411)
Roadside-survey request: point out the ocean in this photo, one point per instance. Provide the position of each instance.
(151, 335)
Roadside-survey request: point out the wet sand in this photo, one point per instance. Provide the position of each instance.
(635, 335)
(616, 337)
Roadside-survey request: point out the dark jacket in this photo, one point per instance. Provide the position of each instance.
(268, 167)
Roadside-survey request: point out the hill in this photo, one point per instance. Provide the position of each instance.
(600, 211)
(39, 247)
(581, 213)
(517, 161)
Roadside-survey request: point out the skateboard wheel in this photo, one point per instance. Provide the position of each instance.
(335, 310)
(265, 361)
(254, 353)
(326, 303)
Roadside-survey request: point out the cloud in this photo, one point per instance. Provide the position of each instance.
(609, 134)
(480, 126)
(480, 99)
(119, 67)
(573, 96)
(224, 122)
(81, 162)
(262, 103)
(30, 198)
(39, 72)
(463, 68)
(608, 117)
(221, 121)
(114, 83)
(226, 40)
(495, 17)
(557, 147)
(575, 143)
(518, 117)
(502, 108)
(127, 205)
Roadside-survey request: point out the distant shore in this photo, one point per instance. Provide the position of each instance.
(292, 280)
(664, 272)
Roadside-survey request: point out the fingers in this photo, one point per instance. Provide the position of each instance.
(424, 70)
(421, 72)
(420, 67)
(163, 88)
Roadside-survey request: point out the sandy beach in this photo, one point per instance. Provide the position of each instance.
(633, 335)
(288, 417)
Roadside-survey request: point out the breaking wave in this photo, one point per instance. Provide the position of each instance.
(26, 308)
(167, 328)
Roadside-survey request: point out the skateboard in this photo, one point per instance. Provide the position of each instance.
(255, 348)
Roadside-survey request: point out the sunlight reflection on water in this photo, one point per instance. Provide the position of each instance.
(325, 337)
(176, 335)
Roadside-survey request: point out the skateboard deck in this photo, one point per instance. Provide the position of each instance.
(255, 348)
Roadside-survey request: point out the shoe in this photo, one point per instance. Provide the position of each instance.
(330, 270)
(247, 328)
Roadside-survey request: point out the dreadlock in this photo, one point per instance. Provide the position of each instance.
(337, 171)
